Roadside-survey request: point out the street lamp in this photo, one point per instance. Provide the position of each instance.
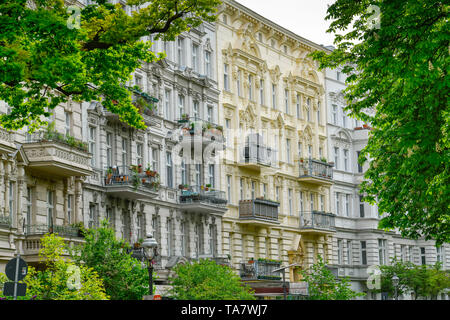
(284, 280)
(150, 245)
(395, 281)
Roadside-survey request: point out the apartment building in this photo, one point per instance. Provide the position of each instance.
(359, 245)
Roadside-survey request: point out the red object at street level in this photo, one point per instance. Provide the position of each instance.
(157, 297)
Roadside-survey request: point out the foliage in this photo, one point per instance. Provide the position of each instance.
(59, 279)
(423, 280)
(322, 285)
(47, 58)
(398, 82)
(206, 280)
(123, 276)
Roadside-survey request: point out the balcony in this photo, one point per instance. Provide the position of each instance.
(255, 156)
(261, 269)
(33, 234)
(200, 199)
(197, 130)
(55, 154)
(317, 222)
(315, 172)
(131, 183)
(258, 211)
(6, 141)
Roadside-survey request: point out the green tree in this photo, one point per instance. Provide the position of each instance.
(425, 281)
(322, 284)
(124, 276)
(60, 279)
(46, 57)
(399, 69)
(206, 280)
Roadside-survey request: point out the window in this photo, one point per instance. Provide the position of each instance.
(338, 205)
(290, 201)
(180, 106)
(334, 114)
(299, 112)
(250, 87)
(225, 19)
(183, 173)
(345, 160)
(286, 100)
(124, 153)
(168, 49)
(241, 189)
(264, 191)
(310, 151)
(238, 83)
(68, 123)
(212, 232)
(261, 92)
(92, 144)
(228, 132)
(155, 159)
(344, 118)
(308, 111)
(29, 205)
(50, 208)
(311, 201)
(183, 235)
(300, 147)
(195, 57)
(285, 49)
(226, 78)
(167, 104)
(180, 52)
(322, 203)
(229, 188)
(210, 114)
(340, 252)
(403, 252)
(278, 193)
(338, 75)
(140, 226)
(260, 38)
(253, 190)
(170, 247)
(382, 251)
(288, 150)
(212, 175)
(439, 254)
(108, 149)
(423, 259)
(69, 208)
(349, 252)
(110, 216)
(336, 157)
(318, 113)
(208, 69)
(301, 201)
(272, 43)
(274, 96)
(360, 168)
(363, 253)
(139, 154)
(169, 173)
(410, 253)
(138, 81)
(347, 205)
(92, 216)
(361, 206)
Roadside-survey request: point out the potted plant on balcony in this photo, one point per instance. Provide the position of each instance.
(139, 168)
(109, 174)
(323, 159)
(301, 159)
(207, 187)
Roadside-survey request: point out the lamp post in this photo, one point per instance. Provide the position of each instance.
(150, 245)
(395, 281)
(283, 274)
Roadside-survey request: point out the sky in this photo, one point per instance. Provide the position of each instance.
(306, 18)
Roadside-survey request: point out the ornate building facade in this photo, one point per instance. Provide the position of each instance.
(275, 168)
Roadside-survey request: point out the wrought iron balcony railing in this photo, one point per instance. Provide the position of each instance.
(260, 209)
(137, 177)
(201, 194)
(40, 229)
(260, 269)
(253, 153)
(317, 220)
(315, 168)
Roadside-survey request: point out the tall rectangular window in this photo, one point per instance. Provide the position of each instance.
(288, 150)
(340, 251)
(198, 174)
(50, 208)
(301, 202)
(228, 132)
(290, 201)
(210, 114)
(349, 252)
(382, 251)
(183, 173)
(264, 191)
(180, 106)
(363, 253)
(318, 113)
(423, 258)
(334, 114)
(308, 111)
(169, 173)
(238, 83)
(336, 157)
(109, 153)
(345, 159)
(167, 94)
(250, 87)
(170, 239)
(139, 154)
(439, 254)
(347, 205)
(195, 57)
(277, 189)
(361, 206)
(183, 236)
(286, 101)
(344, 118)
(311, 201)
(180, 52)
(69, 208)
(155, 159)
(196, 110)
(253, 190)
(360, 168)
(274, 96)
(68, 123)
(322, 203)
(125, 152)
(226, 78)
(261, 92)
(93, 145)
(208, 69)
(92, 216)
(298, 106)
(229, 188)
(338, 204)
(212, 175)
(29, 209)
(241, 189)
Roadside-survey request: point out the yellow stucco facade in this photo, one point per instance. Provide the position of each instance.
(272, 108)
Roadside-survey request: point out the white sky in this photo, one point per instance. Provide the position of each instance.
(306, 18)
